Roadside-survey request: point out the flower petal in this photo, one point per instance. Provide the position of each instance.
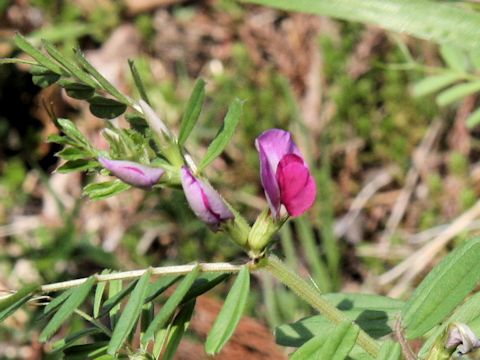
(297, 186)
(205, 202)
(132, 173)
(273, 145)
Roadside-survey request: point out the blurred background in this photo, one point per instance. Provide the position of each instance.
(398, 175)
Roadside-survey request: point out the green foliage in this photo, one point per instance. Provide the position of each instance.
(443, 289)
(224, 135)
(374, 314)
(229, 317)
(192, 111)
(430, 20)
(130, 314)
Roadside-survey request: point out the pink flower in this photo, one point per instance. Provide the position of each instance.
(133, 173)
(205, 202)
(284, 173)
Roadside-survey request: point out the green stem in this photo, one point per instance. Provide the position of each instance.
(312, 296)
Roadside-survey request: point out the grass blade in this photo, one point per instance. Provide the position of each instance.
(138, 81)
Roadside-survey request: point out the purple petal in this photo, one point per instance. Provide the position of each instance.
(205, 202)
(133, 173)
(297, 186)
(273, 145)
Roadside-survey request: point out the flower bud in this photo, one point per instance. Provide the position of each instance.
(262, 232)
(284, 173)
(205, 202)
(461, 338)
(133, 173)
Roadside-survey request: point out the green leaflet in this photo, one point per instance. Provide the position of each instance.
(178, 328)
(9, 305)
(98, 191)
(172, 303)
(76, 298)
(337, 345)
(373, 313)
(130, 314)
(433, 83)
(443, 289)
(430, 20)
(457, 92)
(229, 317)
(390, 351)
(106, 108)
(192, 111)
(224, 135)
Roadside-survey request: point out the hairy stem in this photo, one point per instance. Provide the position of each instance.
(127, 275)
(312, 296)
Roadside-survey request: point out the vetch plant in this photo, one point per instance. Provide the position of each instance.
(441, 312)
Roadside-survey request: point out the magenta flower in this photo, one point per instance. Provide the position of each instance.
(205, 202)
(284, 173)
(133, 173)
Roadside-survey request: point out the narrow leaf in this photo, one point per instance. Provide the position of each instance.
(457, 92)
(454, 57)
(11, 304)
(473, 119)
(172, 303)
(311, 349)
(71, 130)
(77, 165)
(56, 302)
(106, 108)
(229, 317)
(115, 297)
(107, 86)
(138, 81)
(12, 299)
(73, 153)
(130, 314)
(72, 338)
(192, 111)
(98, 191)
(76, 298)
(430, 20)
(178, 328)
(71, 67)
(390, 351)
(99, 290)
(203, 284)
(341, 341)
(443, 289)
(374, 314)
(433, 83)
(158, 287)
(28, 48)
(224, 134)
